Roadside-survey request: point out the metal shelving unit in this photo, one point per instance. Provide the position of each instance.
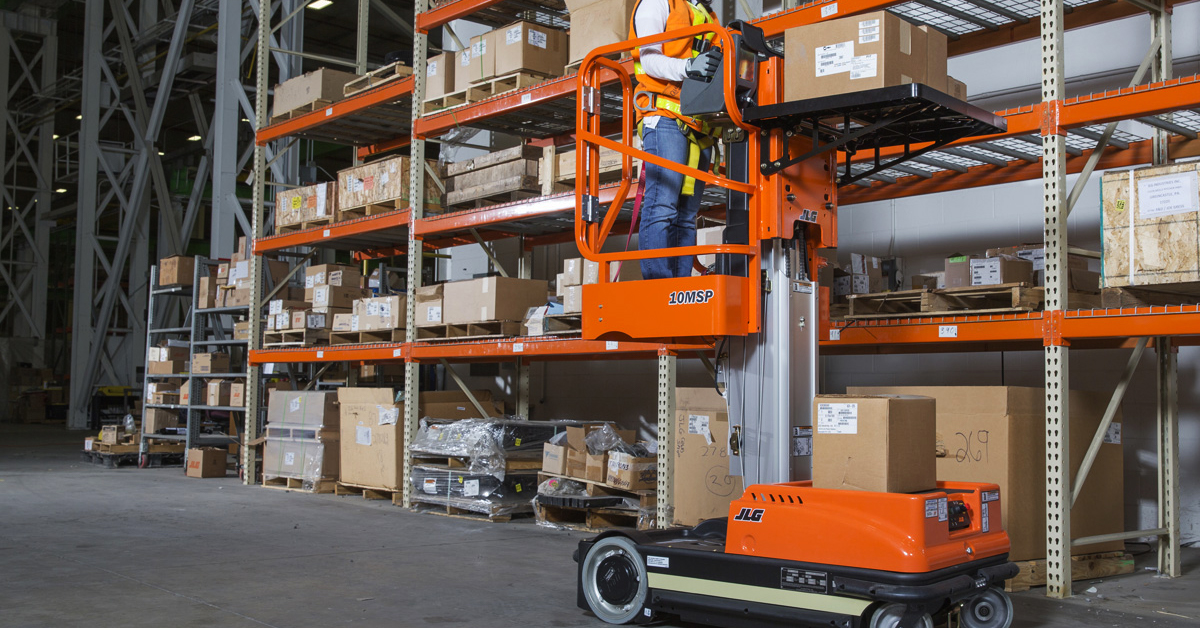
(1046, 140)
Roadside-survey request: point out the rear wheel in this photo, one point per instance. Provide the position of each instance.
(990, 609)
(889, 616)
(614, 580)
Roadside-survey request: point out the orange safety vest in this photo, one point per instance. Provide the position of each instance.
(665, 94)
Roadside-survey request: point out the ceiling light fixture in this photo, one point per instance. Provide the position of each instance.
(194, 138)
(317, 5)
(60, 191)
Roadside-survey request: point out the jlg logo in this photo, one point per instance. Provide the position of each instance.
(752, 515)
(686, 297)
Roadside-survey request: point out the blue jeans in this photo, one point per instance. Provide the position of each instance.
(668, 218)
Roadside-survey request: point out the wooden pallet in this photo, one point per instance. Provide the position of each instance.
(1143, 297)
(296, 484)
(375, 78)
(646, 498)
(307, 224)
(586, 519)
(1085, 567)
(367, 492)
(469, 331)
(366, 337)
(1003, 298)
(315, 105)
(463, 508)
(573, 68)
(114, 461)
(296, 338)
(504, 84)
(505, 190)
(373, 209)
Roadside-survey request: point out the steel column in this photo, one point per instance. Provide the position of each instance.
(1168, 458)
(224, 132)
(667, 365)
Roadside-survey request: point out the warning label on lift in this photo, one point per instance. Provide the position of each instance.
(803, 580)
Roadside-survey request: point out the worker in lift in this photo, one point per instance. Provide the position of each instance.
(671, 200)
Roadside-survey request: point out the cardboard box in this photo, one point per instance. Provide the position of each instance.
(323, 318)
(303, 91)
(343, 322)
(381, 312)
(852, 54)
(529, 47)
(958, 270)
(554, 459)
(312, 409)
(185, 396)
(168, 398)
(223, 273)
(881, 443)
(577, 463)
(630, 473)
(583, 465)
(572, 274)
(166, 368)
(997, 434)
(596, 23)
(429, 305)
(155, 419)
(336, 296)
(453, 404)
(595, 467)
(303, 204)
(439, 75)
(956, 88)
(217, 392)
(994, 271)
(210, 363)
(1150, 221)
(176, 270)
(110, 434)
(206, 293)
(372, 438)
(237, 394)
(703, 487)
(238, 297)
(206, 462)
(299, 319)
(309, 460)
(573, 300)
(475, 65)
(929, 281)
(167, 352)
(332, 275)
(866, 274)
(491, 299)
(241, 331)
(936, 54)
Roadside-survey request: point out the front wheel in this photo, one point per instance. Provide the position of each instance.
(614, 580)
(889, 617)
(990, 609)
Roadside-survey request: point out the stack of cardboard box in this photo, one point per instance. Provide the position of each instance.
(864, 275)
(373, 314)
(170, 357)
(578, 272)
(301, 444)
(521, 50)
(233, 279)
(300, 94)
(1024, 263)
(612, 468)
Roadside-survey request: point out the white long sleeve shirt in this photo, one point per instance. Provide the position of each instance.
(651, 19)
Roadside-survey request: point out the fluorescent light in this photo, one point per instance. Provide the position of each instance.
(245, 119)
(79, 117)
(160, 153)
(194, 138)
(317, 5)
(55, 136)
(60, 191)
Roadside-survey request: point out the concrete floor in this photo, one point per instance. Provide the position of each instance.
(85, 546)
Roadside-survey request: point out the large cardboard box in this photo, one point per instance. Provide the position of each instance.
(155, 419)
(206, 462)
(572, 300)
(852, 54)
(377, 313)
(218, 392)
(336, 296)
(1150, 222)
(866, 274)
(306, 203)
(342, 275)
(206, 293)
(439, 75)
(631, 473)
(956, 88)
(958, 270)
(305, 90)
(429, 305)
(997, 434)
(210, 363)
(169, 367)
(554, 459)
(301, 459)
(596, 23)
(176, 270)
(703, 487)
(882, 443)
(453, 404)
(475, 65)
(529, 47)
(491, 299)
(1001, 270)
(372, 438)
(312, 409)
(594, 467)
(936, 54)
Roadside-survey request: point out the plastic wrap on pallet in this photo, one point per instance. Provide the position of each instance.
(562, 487)
(299, 459)
(463, 483)
(484, 442)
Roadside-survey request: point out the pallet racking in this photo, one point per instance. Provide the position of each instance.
(1046, 140)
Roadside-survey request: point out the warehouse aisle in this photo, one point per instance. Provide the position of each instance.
(84, 546)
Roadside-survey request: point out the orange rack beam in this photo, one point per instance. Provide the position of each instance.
(533, 348)
(379, 116)
(381, 230)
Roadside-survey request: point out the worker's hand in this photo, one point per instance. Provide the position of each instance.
(704, 65)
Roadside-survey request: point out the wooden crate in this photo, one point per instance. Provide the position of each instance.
(1084, 567)
(375, 78)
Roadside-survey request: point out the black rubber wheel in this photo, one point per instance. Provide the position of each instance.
(990, 609)
(614, 580)
(888, 616)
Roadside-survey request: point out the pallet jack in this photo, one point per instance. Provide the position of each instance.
(788, 553)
